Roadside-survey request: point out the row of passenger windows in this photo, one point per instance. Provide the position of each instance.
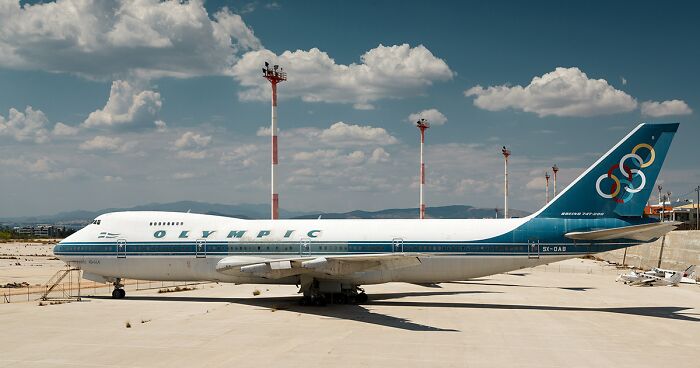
(169, 223)
(96, 222)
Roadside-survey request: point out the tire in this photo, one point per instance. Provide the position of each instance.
(115, 294)
(362, 298)
(122, 293)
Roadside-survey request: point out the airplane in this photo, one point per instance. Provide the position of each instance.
(656, 276)
(601, 210)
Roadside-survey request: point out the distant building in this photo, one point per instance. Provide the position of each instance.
(40, 231)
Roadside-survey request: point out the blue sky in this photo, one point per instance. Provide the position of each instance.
(82, 85)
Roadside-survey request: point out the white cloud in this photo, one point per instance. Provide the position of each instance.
(355, 135)
(433, 116)
(61, 129)
(331, 158)
(562, 92)
(192, 139)
(384, 72)
(665, 108)
(110, 144)
(112, 39)
(25, 126)
(127, 105)
(379, 155)
(192, 155)
(264, 131)
(161, 126)
(242, 155)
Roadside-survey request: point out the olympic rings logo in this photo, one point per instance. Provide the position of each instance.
(628, 176)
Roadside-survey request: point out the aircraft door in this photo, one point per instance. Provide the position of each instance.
(121, 248)
(200, 250)
(305, 247)
(533, 249)
(397, 245)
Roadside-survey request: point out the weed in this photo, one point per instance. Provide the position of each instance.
(256, 292)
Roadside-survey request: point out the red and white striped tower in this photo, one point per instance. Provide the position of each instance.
(546, 187)
(422, 124)
(555, 169)
(274, 75)
(506, 154)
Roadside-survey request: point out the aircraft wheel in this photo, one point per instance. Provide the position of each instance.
(122, 293)
(115, 293)
(320, 301)
(362, 298)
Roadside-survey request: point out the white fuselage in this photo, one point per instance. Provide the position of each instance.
(188, 247)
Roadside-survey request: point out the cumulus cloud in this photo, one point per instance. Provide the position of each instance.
(61, 129)
(331, 158)
(344, 134)
(191, 145)
(379, 155)
(384, 72)
(433, 116)
(665, 108)
(107, 144)
(192, 140)
(562, 92)
(27, 126)
(110, 39)
(43, 168)
(161, 126)
(127, 105)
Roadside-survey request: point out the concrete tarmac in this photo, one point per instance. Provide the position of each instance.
(569, 314)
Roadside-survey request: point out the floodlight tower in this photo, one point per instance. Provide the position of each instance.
(422, 124)
(274, 75)
(661, 205)
(546, 187)
(506, 154)
(555, 169)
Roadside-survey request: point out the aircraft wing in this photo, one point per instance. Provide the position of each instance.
(644, 232)
(334, 265)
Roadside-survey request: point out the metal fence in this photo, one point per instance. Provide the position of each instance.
(73, 290)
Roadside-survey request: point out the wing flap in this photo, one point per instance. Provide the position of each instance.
(644, 232)
(336, 265)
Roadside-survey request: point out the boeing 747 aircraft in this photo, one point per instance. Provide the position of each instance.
(600, 211)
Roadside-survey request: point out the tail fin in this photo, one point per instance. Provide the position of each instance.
(689, 271)
(676, 278)
(619, 183)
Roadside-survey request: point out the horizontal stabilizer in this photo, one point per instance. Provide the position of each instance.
(644, 232)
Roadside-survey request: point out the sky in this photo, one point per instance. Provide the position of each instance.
(119, 103)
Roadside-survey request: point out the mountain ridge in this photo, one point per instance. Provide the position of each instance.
(261, 211)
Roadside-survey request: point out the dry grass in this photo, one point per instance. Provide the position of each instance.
(176, 289)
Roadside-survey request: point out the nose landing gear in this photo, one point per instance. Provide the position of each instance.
(118, 292)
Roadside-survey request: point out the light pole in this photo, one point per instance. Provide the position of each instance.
(506, 154)
(546, 187)
(661, 205)
(697, 209)
(422, 124)
(274, 75)
(555, 169)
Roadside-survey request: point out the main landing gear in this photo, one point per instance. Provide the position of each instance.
(313, 295)
(118, 292)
